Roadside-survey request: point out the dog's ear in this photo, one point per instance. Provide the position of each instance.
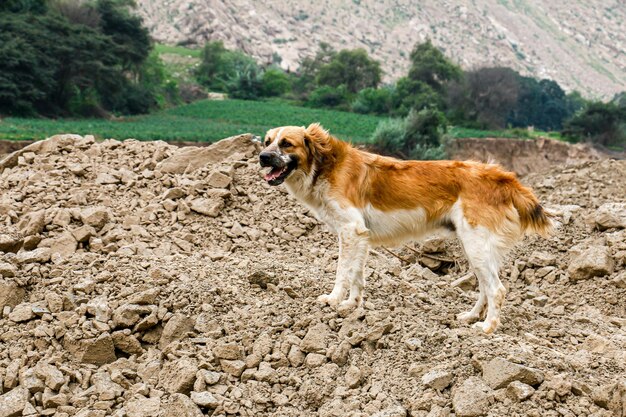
(317, 140)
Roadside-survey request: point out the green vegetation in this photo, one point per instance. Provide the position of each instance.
(200, 121)
(177, 50)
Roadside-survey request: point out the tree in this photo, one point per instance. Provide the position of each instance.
(373, 100)
(352, 68)
(309, 68)
(275, 83)
(600, 123)
(211, 63)
(23, 6)
(429, 65)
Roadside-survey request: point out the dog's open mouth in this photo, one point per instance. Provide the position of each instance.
(277, 175)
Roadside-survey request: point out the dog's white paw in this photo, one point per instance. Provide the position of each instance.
(348, 305)
(328, 299)
(467, 317)
(487, 326)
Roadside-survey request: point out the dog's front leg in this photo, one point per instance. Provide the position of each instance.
(353, 249)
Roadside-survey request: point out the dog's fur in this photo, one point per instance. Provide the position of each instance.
(371, 200)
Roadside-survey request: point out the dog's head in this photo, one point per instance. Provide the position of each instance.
(290, 149)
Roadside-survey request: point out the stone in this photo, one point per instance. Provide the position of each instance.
(96, 217)
(65, 245)
(104, 178)
(181, 405)
(126, 343)
(178, 376)
(10, 242)
(538, 258)
(498, 373)
(40, 255)
(176, 328)
(619, 281)
(30, 381)
(592, 262)
(22, 312)
(296, 356)
(10, 294)
(518, 391)
(560, 384)
(467, 282)
(145, 297)
(84, 233)
(231, 351)
(190, 158)
(53, 378)
(204, 399)
(472, 398)
(262, 278)
(353, 377)
(437, 379)
(314, 360)
(393, 411)
(610, 215)
(315, 339)
(97, 351)
(208, 206)
(174, 194)
(105, 387)
(218, 180)
(143, 407)
(7, 270)
(32, 223)
(234, 368)
(127, 315)
(13, 402)
(263, 345)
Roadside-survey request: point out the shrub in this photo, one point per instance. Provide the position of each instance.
(373, 100)
(388, 137)
(353, 69)
(327, 96)
(246, 83)
(275, 83)
(599, 123)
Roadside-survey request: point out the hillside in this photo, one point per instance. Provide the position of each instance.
(143, 280)
(581, 44)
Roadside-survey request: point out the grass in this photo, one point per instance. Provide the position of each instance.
(177, 50)
(204, 121)
(458, 132)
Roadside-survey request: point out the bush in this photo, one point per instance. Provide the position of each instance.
(418, 136)
(353, 69)
(275, 83)
(410, 94)
(246, 83)
(373, 100)
(327, 96)
(599, 123)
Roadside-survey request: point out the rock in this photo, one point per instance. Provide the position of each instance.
(127, 315)
(353, 377)
(30, 381)
(437, 379)
(143, 407)
(467, 282)
(145, 297)
(53, 378)
(176, 328)
(174, 194)
(178, 376)
(10, 242)
(204, 399)
(234, 368)
(189, 159)
(265, 373)
(231, 351)
(262, 278)
(105, 387)
(209, 207)
(106, 178)
(314, 360)
(7, 270)
(619, 281)
(610, 215)
(64, 245)
(296, 356)
(218, 180)
(10, 294)
(181, 405)
(538, 258)
(518, 391)
(263, 345)
(13, 402)
(96, 217)
(97, 351)
(560, 384)
(315, 339)
(22, 312)
(434, 244)
(393, 411)
(51, 399)
(498, 373)
(472, 398)
(40, 255)
(126, 343)
(32, 223)
(592, 262)
(83, 233)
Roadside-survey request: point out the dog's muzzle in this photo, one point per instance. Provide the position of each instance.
(281, 166)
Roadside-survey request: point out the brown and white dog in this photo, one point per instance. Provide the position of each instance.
(371, 200)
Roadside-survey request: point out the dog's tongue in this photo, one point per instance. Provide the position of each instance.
(273, 174)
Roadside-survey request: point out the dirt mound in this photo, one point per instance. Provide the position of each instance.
(138, 280)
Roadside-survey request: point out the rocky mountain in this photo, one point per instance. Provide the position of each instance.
(579, 43)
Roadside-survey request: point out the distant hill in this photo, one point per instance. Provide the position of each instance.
(579, 43)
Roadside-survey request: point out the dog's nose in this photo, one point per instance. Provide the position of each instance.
(265, 158)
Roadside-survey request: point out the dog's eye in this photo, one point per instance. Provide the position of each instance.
(267, 142)
(285, 144)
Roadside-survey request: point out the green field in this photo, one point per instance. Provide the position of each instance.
(200, 121)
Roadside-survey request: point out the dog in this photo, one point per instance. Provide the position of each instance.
(370, 200)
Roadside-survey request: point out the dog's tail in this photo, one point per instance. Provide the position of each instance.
(533, 217)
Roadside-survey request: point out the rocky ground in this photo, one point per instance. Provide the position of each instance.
(141, 279)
